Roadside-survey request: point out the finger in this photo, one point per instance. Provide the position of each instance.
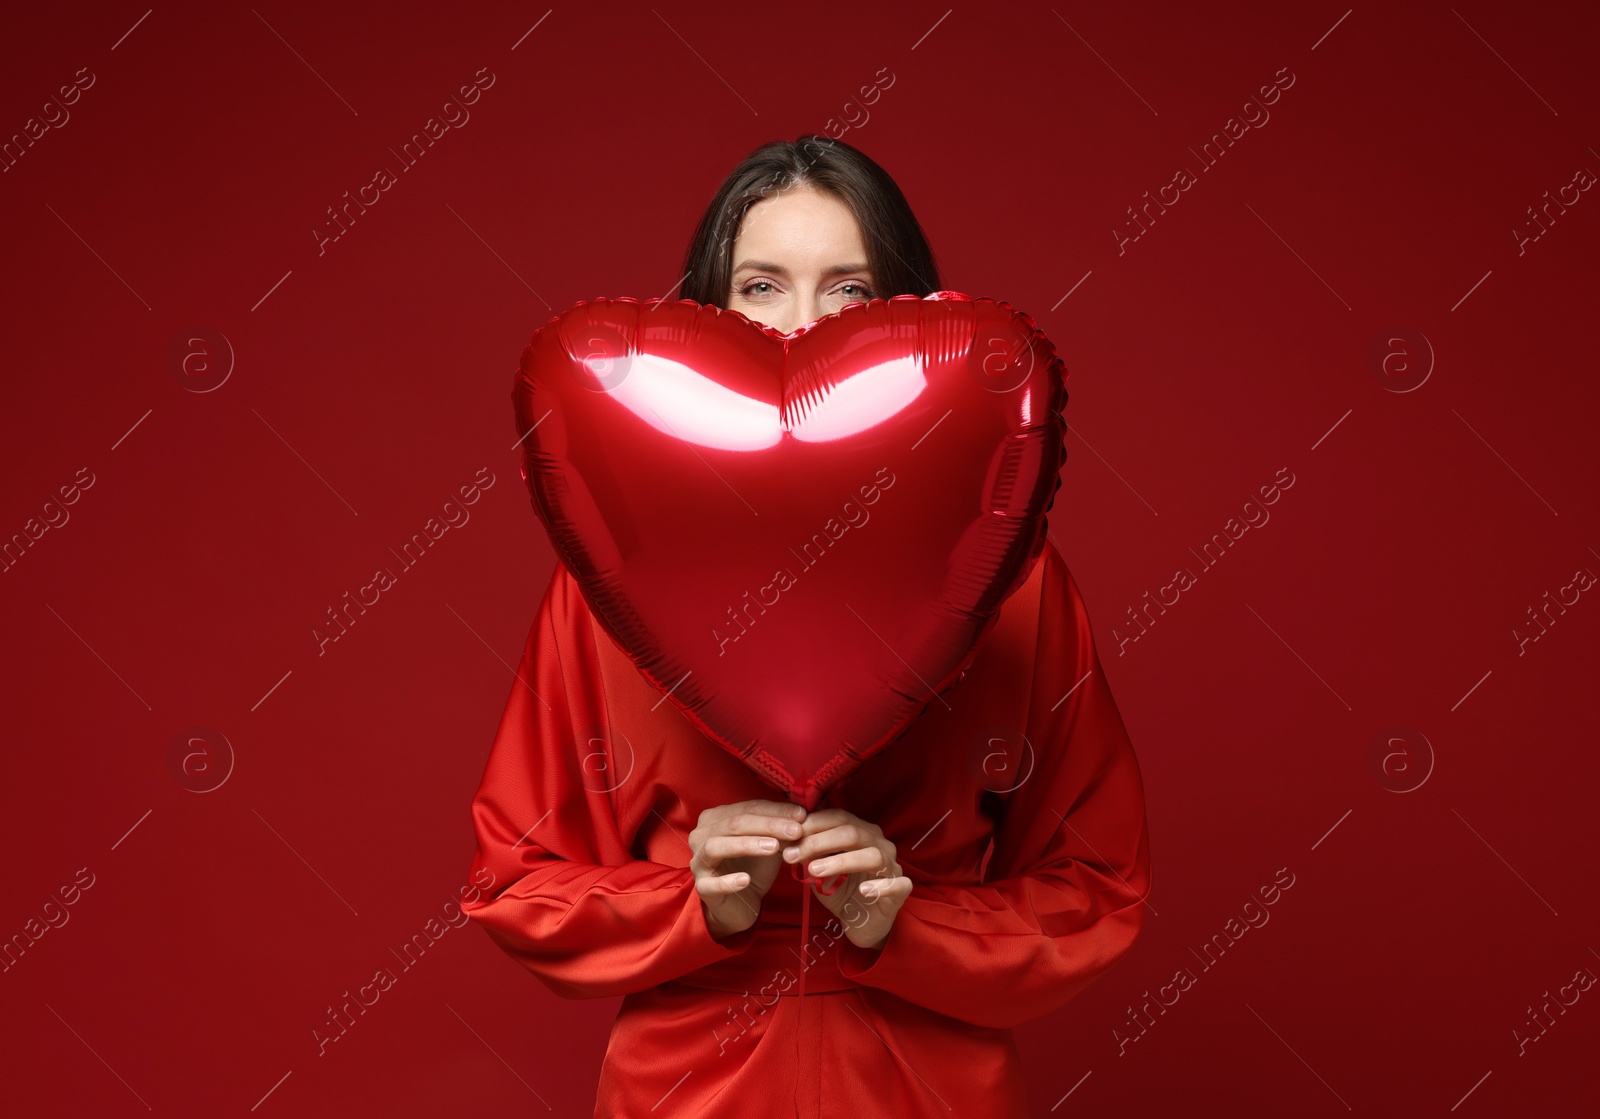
(886, 889)
(720, 847)
(844, 837)
(716, 885)
(827, 818)
(787, 809)
(759, 823)
(862, 860)
(777, 808)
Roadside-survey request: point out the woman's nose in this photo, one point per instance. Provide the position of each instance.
(806, 311)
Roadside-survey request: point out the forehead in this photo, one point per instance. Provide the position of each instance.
(802, 228)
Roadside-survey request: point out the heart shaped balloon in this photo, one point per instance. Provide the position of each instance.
(798, 538)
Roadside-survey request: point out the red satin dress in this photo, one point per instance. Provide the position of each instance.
(1029, 866)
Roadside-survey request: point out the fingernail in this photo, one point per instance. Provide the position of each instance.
(820, 866)
(791, 829)
(769, 844)
(790, 854)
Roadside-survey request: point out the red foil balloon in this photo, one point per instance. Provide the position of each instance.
(798, 538)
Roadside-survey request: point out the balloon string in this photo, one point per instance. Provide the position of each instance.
(806, 880)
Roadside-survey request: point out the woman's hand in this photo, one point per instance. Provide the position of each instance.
(733, 852)
(869, 899)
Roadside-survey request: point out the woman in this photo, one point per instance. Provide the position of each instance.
(996, 854)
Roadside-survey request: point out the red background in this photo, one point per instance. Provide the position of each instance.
(1230, 340)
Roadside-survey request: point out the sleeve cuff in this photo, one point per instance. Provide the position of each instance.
(712, 948)
(872, 966)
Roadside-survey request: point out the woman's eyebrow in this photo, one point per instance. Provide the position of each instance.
(769, 266)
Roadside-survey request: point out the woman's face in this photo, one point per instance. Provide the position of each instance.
(798, 257)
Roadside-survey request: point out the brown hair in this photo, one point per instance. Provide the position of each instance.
(897, 252)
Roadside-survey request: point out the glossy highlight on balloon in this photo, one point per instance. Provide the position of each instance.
(799, 538)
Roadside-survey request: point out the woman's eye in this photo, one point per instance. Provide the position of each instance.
(852, 292)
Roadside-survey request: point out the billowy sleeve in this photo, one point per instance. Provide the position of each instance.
(564, 896)
(1063, 897)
